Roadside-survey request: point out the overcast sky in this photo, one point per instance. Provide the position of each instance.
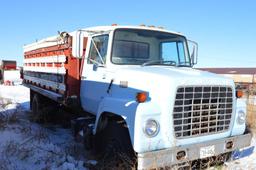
(224, 30)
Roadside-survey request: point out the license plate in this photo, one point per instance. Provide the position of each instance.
(207, 151)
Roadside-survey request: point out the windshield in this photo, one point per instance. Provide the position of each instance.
(146, 47)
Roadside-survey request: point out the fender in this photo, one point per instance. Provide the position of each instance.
(121, 107)
(134, 115)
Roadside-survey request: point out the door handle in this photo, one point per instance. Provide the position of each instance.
(104, 76)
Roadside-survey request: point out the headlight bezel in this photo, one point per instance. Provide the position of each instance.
(146, 127)
(241, 117)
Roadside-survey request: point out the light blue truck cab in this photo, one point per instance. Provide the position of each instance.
(186, 114)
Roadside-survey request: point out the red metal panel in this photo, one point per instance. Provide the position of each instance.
(49, 64)
(72, 74)
(47, 51)
(72, 65)
(58, 64)
(8, 65)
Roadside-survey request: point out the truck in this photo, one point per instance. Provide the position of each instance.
(9, 74)
(142, 99)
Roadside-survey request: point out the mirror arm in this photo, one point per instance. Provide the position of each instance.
(195, 52)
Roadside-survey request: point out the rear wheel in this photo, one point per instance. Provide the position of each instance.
(40, 108)
(36, 105)
(118, 153)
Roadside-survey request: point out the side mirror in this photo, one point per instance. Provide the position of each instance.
(193, 50)
(95, 66)
(77, 44)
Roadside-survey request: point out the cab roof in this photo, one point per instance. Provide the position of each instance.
(111, 28)
(54, 40)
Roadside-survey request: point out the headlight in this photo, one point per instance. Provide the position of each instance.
(241, 117)
(151, 128)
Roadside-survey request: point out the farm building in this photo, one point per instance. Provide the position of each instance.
(9, 72)
(245, 78)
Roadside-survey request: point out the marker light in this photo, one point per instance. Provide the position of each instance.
(239, 93)
(141, 97)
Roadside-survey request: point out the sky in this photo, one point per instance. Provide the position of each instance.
(224, 29)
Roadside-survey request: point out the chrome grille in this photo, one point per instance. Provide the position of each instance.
(202, 110)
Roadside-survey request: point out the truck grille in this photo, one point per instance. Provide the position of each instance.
(202, 110)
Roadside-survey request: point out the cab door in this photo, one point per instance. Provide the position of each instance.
(94, 79)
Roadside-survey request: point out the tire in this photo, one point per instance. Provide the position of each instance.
(43, 108)
(36, 106)
(118, 153)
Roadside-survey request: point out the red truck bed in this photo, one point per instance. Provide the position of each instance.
(50, 69)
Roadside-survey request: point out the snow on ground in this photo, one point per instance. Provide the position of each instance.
(247, 162)
(17, 94)
(26, 145)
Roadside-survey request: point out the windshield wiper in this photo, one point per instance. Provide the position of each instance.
(156, 62)
(184, 64)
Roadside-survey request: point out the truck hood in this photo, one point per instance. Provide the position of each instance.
(180, 75)
(161, 83)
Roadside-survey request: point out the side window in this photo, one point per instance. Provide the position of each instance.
(169, 51)
(181, 53)
(98, 50)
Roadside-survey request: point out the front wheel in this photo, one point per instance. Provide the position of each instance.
(118, 153)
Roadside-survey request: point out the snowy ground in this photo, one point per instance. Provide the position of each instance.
(26, 145)
(248, 162)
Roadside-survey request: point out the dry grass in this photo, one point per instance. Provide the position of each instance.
(4, 102)
(8, 112)
(251, 112)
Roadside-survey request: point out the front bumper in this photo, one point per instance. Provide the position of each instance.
(167, 157)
